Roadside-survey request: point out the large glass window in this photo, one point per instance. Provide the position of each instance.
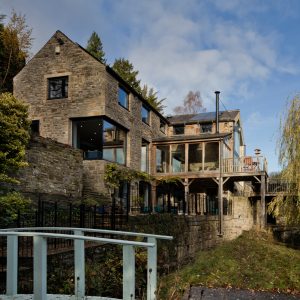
(87, 136)
(58, 87)
(145, 157)
(114, 140)
(100, 139)
(145, 115)
(178, 158)
(162, 158)
(211, 161)
(123, 97)
(195, 157)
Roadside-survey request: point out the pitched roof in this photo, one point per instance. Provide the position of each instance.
(204, 117)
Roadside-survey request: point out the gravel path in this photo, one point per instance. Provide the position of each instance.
(203, 293)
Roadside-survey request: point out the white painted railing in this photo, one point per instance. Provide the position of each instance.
(40, 261)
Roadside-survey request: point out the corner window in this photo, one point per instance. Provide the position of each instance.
(123, 98)
(58, 87)
(114, 142)
(145, 114)
(205, 128)
(178, 129)
(100, 139)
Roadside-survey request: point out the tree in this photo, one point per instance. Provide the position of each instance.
(151, 96)
(95, 47)
(14, 135)
(15, 42)
(287, 203)
(192, 104)
(125, 69)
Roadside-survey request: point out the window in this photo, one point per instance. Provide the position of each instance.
(58, 87)
(100, 139)
(206, 128)
(211, 161)
(145, 156)
(114, 141)
(162, 159)
(195, 157)
(145, 114)
(35, 127)
(123, 97)
(162, 126)
(178, 158)
(178, 129)
(87, 137)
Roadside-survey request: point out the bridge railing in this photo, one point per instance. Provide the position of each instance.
(40, 260)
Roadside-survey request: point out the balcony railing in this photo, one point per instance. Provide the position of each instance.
(245, 164)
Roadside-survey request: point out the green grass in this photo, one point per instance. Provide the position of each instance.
(252, 261)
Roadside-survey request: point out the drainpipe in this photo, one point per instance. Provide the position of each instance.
(220, 181)
(217, 111)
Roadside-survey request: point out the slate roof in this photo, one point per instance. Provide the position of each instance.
(182, 137)
(204, 117)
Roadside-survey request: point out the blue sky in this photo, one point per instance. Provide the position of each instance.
(247, 49)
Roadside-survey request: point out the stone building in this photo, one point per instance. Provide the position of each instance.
(76, 100)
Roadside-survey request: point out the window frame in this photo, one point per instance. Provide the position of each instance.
(64, 87)
(148, 114)
(121, 88)
(177, 126)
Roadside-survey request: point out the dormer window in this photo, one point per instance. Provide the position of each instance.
(206, 128)
(178, 129)
(58, 87)
(123, 97)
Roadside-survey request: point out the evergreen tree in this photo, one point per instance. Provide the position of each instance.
(95, 47)
(14, 135)
(151, 96)
(126, 70)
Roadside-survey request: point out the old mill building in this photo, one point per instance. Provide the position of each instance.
(76, 100)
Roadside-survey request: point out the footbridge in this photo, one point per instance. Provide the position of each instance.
(41, 235)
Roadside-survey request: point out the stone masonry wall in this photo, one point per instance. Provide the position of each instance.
(54, 168)
(193, 233)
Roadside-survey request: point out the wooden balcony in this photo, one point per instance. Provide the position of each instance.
(245, 164)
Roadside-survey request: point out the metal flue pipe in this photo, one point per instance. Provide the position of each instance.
(217, 111)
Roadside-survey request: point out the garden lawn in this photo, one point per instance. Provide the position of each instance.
(252, 261)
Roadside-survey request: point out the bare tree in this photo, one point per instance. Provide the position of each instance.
(192, 104)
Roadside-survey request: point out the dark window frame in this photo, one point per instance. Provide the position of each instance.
(176, 128)
(35, 127)
(64, 87)
(145, 108)
(121, 88)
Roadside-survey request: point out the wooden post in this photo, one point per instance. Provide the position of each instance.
(186, 195)
(153, 196)
(220, 205)
(263, 216)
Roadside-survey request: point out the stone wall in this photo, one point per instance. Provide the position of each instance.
(54, 168)
(193, 233)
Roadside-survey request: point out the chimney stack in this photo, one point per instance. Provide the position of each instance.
(217, 111)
